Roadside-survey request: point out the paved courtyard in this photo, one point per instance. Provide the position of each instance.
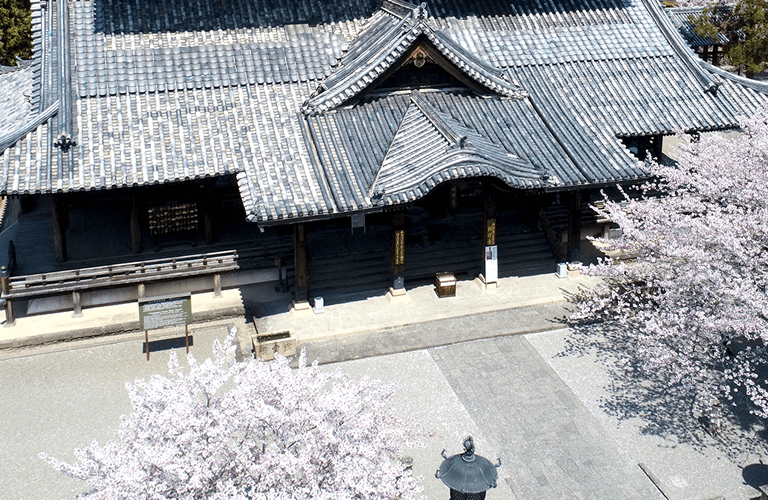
(519, 399)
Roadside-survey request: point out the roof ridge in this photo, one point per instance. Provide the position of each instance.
(675, 39)
(432, 115)
(388, 45)
(695, 8)
(370, 192)
(12, 138)
(398, 8)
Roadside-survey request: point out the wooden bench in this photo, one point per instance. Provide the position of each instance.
(76, 281)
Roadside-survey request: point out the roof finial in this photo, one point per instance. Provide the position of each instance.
(469, 450)
(420, 12)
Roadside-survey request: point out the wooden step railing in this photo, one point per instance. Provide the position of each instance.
(75, 281)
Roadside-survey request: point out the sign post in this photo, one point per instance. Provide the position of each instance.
(168, 311)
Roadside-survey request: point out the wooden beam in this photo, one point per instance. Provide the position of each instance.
(574, 226)
(6, 287)
(58, 216)
(76, 305)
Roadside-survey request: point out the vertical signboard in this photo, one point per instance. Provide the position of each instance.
(169, 311)
(358, 222)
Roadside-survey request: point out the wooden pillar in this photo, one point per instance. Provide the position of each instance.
(5, 283)
(490, 250)
(397, 254)
(59, 226)
(300, 263)
(489, 219)
(574, 226)
(76, 305)
(217, 285)
(715, 54)
(136, 245)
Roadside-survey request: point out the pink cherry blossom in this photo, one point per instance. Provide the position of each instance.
(691, 286)
(252, 430)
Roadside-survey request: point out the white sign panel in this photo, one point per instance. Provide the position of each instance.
(491, 264)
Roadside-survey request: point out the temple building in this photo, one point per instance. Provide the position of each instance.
(334, 146)
(708, 48)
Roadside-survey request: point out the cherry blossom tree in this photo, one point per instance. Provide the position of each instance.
(252, 430)
(691, 284)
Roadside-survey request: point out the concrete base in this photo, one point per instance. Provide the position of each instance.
(483, 285)
(398, 296)
(302, 310)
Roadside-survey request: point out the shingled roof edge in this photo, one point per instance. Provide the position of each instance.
(38, 64)
(680, 17)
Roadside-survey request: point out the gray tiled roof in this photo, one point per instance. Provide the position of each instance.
(666, 102)
(394, 149)
(140, 62)
(15, 95)
(681, 19)
(164, 91)
(549, 39)
(117, 17)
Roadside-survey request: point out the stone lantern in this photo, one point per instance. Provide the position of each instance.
(468, 475)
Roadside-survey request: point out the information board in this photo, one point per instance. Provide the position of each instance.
(165, 312)
(491, 264)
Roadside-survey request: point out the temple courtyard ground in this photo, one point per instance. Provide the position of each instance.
(563, 419)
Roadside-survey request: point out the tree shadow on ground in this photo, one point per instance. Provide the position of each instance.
(664, 409)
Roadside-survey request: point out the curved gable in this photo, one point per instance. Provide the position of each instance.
(387, 45)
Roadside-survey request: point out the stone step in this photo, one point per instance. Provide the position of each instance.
(522, 254)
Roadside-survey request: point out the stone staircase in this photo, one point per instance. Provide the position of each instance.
(345, 266)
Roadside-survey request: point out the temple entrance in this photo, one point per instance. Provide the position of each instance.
(443, 232)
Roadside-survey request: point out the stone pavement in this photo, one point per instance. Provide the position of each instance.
(706, 468)
(377, 313)
(551, 445)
